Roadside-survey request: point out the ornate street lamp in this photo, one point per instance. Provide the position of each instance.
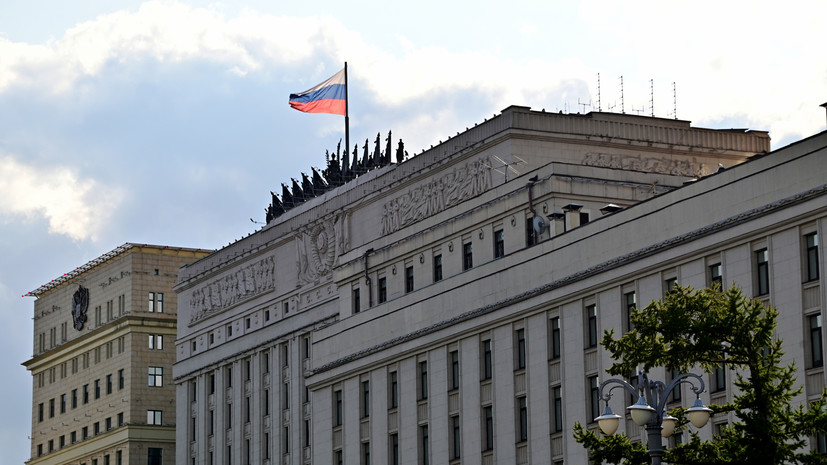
(650, 408)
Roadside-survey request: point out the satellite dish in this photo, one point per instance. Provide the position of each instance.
(539, 225)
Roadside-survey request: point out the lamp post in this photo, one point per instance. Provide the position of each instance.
(650, 408)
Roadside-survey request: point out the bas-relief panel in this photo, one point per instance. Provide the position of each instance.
(244, 283)
(688, 168)
(469, 180)
(318, 246)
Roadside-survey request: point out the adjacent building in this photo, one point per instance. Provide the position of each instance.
(103, 352)
(447, 309)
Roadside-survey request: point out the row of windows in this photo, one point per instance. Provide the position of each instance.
(80, 435)
(246, 324)
(83, 395)
(98, 321)
(83, 361)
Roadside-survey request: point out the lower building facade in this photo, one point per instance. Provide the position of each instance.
(444, 311)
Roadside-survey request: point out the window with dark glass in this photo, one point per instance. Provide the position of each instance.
(456, 438)
(467, 257)
(555, 338)
(488, 416)
(522, 418)
(715, 276)
(816, 352)
(519, 349)
(409, 279)
(337, 408)
(393, 388)
(762, 272)
(486, 359)
(499, 243)
(382, 284)
(394, 449)
(437, 268)
(424, 445)
(594, 399)
(811, 242)
(357, 304)
(676, 393)
(530, 234)
(365, 399)
(669, 285)
(454, 373)
(557, 405)
(423, 380)
(719, 379)
(591, 326)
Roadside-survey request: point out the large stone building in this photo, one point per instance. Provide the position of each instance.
(447, 309)
(103, 350)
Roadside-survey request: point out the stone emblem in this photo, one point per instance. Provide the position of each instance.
(80, 304)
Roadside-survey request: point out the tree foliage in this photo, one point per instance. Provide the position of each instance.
(710, 328)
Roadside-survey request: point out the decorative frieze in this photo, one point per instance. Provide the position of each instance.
(246, 282)
(674, 167)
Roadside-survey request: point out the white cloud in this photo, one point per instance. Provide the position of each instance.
(73, 207)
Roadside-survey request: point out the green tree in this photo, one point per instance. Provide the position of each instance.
(710, 328)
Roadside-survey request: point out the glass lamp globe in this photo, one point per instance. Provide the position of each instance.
(608, 422)
(698, 414)
(668, 425)
(641, 412)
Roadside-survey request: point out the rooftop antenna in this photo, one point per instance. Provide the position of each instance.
(622, 101)
(506, 167)
(674, 100)
(652, 96)
(599, 108)
(583, 104)
(639, 111)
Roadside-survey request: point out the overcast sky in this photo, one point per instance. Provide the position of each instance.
(167, 122)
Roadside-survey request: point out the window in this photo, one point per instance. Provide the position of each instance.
(63, 403)
(357, 304)
(120, 419)
(285, 396)
(719, 379)
(555, 338)
(488, 416)
(557, 409)
(121, 379)
(365, 453)
(159, 302)
(394, 449)
(73, 437)
(154, 456)
(437, 268)
(228, 376)
(629, 307)
(409, 279)
(365, 399)
(486, 359)
(816, 352)
(85, 393)
(212, 383)
(229, 330)
(151, 301)
(424, 442)
(456, 438)
(467, 257)
(676, 393)
(338, 459)
(499, 243)
(530, 234)
(519, 350)
(669, 285)
(84, 433)
(594, 399)
(337, 408)
(762, 272)
(306, 344)
(811, 242)
(97, 389)
(97, 428)
(715, 276)
(109, 384)
(229, 419)
(156, 376)
(156, 342)
(522, 419)
(108, 423)
(453, 381)
(423, 380)
(40, 411)
(393, 389)
(153, 417)
(285, 355)
(74, 398)
(285, 433)
(591, 326)
(383, 289)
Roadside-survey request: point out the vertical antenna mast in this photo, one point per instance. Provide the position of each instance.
(622, 102)
(599, 108)
(652, 96)
(674, 100)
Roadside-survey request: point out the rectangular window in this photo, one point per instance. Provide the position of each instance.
(423, 380)
(555, 338)
(120, 419)
(285, 439)
(151, 302)
(456, 438)
(715, 276)
(719, 379)
(394, 449)
(629, 307)
(40, 411)
(229, 330)
(156, 376)
(285, 396)
(153, 417)
(357, 304)
(228, 376)
(557, 409)
(73, 437)
(97, 428)
(594, 398)
(108, 423)
(156, 342)
(365, 453)
(811, 242)
(676, 393)
(337, 408)
(486, 359)
(109, 384)
(762, 272)
(424, 445)
(97, 389)
(530, 234)
(74, 398)
(154, 456)
(85, 393)
(522, 419)
(816, 352)
(365, 399)
(591, 326)
(488, 417)
(499, 243)
(467, 257)
(437, 268)
(383, 289)
(121, 379)
(63, 403)
(669, 285)
(159, 302)
(393, 388)
(519, 350)
(453, 381)
(409, 279)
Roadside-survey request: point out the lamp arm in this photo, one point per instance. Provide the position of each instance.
(677, 381)
(620, 383)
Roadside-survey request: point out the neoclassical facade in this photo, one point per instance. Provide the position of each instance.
(447, 309)
(101, 367)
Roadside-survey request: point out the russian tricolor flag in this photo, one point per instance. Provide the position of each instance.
(327, 97)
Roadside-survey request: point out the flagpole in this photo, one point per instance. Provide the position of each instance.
(347, 117)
